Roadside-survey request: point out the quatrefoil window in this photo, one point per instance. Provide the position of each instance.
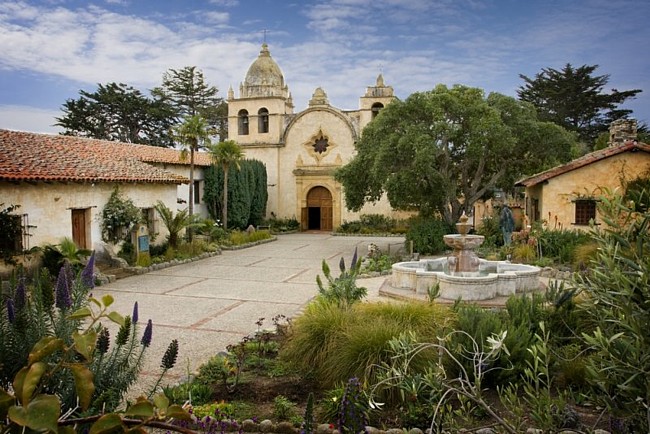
(320, 144)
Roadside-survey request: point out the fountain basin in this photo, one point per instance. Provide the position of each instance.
(494, 279)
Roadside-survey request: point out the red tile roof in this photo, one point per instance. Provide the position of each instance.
(583, 161)
(40, 157)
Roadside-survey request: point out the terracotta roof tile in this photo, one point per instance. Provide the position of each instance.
(40, 157)
(583, 161)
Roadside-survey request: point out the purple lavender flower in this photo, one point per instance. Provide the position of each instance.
(134, 317)
(342, 265)
(63, 299)
(11, 313)
(20, 297)
(354, 259)
(88, 273)
(146, 336)
(69, 273)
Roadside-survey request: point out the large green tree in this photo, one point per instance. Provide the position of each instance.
(187, 91)
(118, 112)
(574, 98)
(226, 154)
(442, 150)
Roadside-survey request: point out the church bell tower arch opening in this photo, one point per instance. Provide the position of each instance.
(318, 214)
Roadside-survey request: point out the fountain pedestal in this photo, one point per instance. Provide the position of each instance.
(463, 260)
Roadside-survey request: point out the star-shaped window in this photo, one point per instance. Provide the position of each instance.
(320, 145)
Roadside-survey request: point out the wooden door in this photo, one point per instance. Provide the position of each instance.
(320, 197)
(79, 228)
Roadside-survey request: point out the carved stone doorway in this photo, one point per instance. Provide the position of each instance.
(318, 213)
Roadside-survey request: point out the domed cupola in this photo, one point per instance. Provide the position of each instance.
(264, 77)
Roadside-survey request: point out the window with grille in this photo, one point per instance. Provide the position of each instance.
(585, 211)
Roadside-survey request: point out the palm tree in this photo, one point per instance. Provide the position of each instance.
(193, 134)
(174, 223)
(226, 154)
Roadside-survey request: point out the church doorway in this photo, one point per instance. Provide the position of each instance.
(318, 213)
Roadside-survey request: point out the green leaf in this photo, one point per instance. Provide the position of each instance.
(66, 429)
(41, 414)
(32, 378)
(44, 348)
(140, 409)
(85, 343)
(84, 385)
(107, 300)
(95, 301)
(177, 412)
(82, 313)
(161, 401)
(116, 318)
(6, 401)
(19, 380)
(106, 424)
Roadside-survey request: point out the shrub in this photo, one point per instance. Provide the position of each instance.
(560, 243)
(426, 235)
(336, 344)
(616, 299)
(283, 224)
(62, 326)
(342, 289)
(118, 217)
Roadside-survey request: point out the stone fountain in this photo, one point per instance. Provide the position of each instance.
(462, 274)
(463, 260)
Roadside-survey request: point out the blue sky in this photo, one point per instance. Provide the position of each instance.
(50, 49)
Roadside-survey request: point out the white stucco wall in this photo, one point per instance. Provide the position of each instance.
(49, 206)
(183, 190)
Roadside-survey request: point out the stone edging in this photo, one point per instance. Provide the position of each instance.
(247, 245)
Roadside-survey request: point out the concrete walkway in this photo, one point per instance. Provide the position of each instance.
(208, 304)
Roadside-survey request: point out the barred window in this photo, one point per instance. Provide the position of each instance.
(585, 211)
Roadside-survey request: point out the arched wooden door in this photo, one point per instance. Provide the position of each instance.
(318, 213)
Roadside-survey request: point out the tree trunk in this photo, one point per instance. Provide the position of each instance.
(191, 198)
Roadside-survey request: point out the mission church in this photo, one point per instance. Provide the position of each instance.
(301, 150)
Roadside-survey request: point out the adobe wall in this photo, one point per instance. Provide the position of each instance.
(559, 192)
(49, 206)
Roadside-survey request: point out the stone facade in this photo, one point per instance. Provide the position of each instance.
(301, 150)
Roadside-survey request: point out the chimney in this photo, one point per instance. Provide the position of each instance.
(621, 131)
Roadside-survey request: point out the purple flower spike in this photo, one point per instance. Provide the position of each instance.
(134, 317)
(11, 313)
(354, 259)
(63, 299)
(20, 297)
(88, 273)
(69, 273)
(146, 336)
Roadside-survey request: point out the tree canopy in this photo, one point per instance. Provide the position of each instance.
(189, 94)
(574, 99)
(442, 150)
(118, 112)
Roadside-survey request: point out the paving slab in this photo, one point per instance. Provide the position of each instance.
(214, 302)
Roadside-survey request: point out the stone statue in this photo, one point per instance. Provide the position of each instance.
(507, 224)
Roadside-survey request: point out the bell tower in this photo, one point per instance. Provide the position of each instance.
(376, 98)
(257, 116)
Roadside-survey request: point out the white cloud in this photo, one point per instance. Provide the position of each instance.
(24, 118)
